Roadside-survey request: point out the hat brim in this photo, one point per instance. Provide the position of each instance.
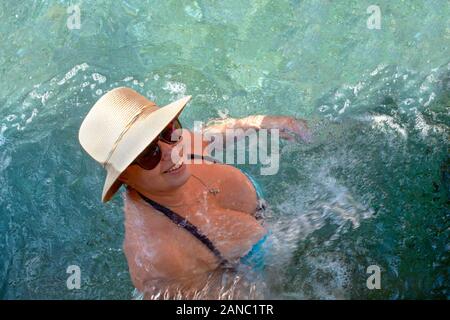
(135, 140)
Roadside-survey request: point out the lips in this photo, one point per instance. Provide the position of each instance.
(176, 167)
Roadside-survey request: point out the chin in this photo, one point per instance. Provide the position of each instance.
(179, 178)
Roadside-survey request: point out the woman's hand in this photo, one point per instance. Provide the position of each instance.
(289, 127)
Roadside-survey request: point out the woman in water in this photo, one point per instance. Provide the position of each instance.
(186, 224)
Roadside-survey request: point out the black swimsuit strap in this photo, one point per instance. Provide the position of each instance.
(184, 223)
(207, 158)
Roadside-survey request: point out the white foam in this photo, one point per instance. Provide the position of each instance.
(11, 117)
(310, 208)
(346, 105)
(73, 72)
(33, 114)
(357, 88)
(2, 137)
(378, 69)
(194, 11)
(338, 279)
(430, 99)
(99, 78)
(379, 121)
(5, 161)
(43, 97)
(174, 87)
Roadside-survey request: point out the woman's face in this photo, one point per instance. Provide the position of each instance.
(169, 174)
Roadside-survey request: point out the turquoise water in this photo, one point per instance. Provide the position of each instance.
(372, 188)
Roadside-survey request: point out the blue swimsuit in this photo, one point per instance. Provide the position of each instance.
(255, 258)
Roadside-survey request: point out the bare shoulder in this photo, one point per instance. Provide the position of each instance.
(236, 191)
(136, 211)
(144, 244)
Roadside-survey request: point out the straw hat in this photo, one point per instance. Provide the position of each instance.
(120, 125)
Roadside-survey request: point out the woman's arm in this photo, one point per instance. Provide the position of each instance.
(289, 127)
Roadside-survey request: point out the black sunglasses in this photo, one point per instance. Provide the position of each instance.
(151, 156)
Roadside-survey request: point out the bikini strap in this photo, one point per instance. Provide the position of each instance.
(184, 223)
(207, 158)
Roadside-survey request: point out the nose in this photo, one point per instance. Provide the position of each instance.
(168, 149)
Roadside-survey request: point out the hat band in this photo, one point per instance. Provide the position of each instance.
(125, 129)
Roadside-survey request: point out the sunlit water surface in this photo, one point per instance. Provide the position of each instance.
(372, 187)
